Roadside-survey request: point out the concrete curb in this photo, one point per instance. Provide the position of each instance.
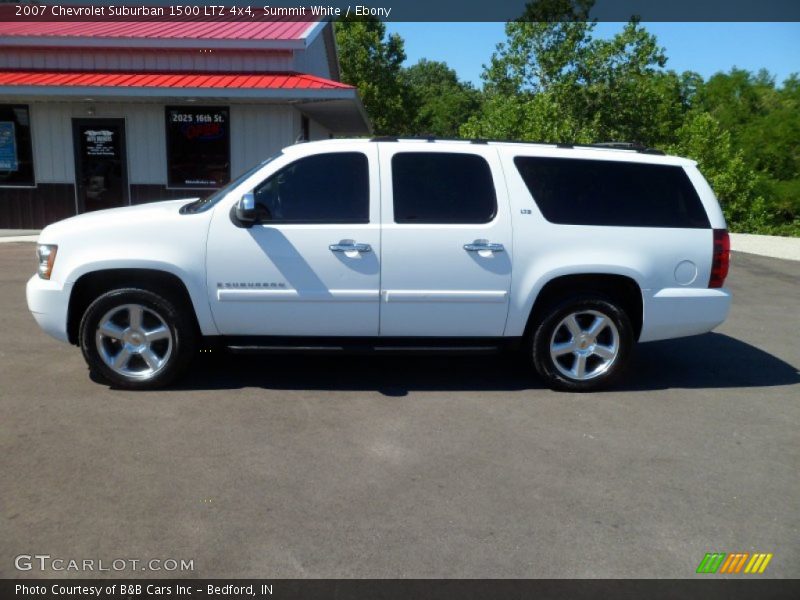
(786, 248)
(18, 238)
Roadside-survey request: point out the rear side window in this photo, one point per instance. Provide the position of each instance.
(601, 192)
(325, 188)
(436, 187)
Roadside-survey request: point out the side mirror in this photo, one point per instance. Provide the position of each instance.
(245, 210)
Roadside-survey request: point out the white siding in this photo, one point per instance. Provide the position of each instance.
(147, 60)
(314, 59)
(258, 131)
(53, 157)
(317, 131)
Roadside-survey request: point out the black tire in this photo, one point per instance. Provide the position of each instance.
(161, 315)
(559, 373)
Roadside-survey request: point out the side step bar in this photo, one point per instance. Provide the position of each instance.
(254, 345)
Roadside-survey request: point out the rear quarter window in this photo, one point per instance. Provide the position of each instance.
(601, 192)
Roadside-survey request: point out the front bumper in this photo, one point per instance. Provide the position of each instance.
(678, 312)
(48, 301)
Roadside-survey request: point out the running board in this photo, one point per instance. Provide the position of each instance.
(364, 346)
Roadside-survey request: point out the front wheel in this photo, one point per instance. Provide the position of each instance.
(136, 339)
(582, 345)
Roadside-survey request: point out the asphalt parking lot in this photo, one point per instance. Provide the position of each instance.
(410, 467)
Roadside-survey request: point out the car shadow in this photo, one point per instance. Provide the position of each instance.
(712, 360)
(708, 361)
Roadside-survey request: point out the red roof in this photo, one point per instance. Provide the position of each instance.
(208, 30)
(123, 79)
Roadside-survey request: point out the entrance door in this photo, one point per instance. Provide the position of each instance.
(101, 173)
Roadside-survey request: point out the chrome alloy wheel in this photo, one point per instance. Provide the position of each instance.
(584, 345)
(134, 341)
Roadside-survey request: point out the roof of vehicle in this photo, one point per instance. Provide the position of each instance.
(607, 150)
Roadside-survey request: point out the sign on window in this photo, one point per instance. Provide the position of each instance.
(8, 147)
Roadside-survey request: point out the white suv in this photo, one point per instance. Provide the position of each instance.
(571, 253)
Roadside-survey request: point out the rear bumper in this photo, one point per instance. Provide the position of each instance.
(678, 312)
(48, 301)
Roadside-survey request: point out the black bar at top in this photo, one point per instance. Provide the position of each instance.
(454, 10)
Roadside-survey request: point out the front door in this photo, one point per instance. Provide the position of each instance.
(101, 176)
(311, 264)
(446, 242)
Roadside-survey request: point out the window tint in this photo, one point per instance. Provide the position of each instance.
(434, 187)
(326, 188)
(601, 192)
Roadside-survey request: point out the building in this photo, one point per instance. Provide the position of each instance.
(98, 114)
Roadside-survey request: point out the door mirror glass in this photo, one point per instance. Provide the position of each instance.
(246, 209)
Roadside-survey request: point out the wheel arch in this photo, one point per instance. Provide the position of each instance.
(622, 289)
(92, 284)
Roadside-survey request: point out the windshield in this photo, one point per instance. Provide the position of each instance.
(214, 197)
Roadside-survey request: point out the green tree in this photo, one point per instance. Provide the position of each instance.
(438, 103)
(598, 89)
(372, 61)
(703, 139)
(544, 48)
(764, 125)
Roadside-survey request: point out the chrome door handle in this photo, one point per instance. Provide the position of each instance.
(483, 246)
(349, 246)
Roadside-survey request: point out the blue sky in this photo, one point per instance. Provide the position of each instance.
(703, 47)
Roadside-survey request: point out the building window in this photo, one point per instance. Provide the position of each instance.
(198, 146)
(16, 154)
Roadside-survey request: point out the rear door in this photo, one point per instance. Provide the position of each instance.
(446, 241)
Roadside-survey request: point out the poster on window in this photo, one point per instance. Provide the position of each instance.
(8, 147)
(198, 146)
(99, 142)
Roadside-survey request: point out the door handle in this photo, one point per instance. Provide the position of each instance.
(483, 246)
(349, 246)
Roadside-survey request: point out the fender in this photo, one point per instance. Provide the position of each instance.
(194, 282)
(529, 283)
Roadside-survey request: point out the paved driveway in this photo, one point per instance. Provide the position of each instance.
(410, 467)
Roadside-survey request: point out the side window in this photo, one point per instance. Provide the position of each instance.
(436, 187)
(602, 192)
(325, 188)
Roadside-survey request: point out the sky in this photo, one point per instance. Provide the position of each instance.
(703, 47)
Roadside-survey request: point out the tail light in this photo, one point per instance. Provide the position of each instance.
(721, 258)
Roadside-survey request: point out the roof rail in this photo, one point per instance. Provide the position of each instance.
(627, 146)
(637, 147)
(427, 138)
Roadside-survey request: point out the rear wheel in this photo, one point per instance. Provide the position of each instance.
(582, 344)
(136, 339)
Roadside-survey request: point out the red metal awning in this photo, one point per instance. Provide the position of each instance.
(160, 30)
(197, 80)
